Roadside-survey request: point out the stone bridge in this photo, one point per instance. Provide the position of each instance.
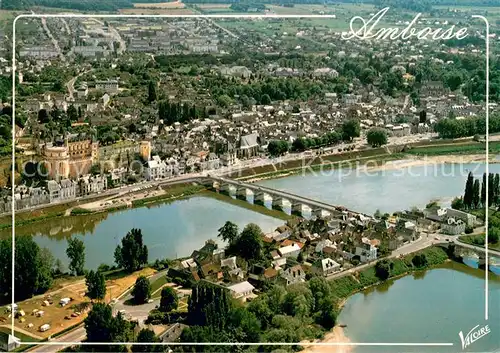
(279, 199)
(468, 250)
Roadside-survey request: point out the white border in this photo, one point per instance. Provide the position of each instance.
(33, 15)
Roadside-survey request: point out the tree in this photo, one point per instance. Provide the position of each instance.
(101, 326)
(491, 188)
(96, 285)
(43, 116)
(209, 305)
(383, 269)
(277, 147)
(228, 232)
(419, 260)
(493, 235)
(496, 189)
(147, 336)
(376, 137)
(151, 91)
(422, 117)
(142, 290)
(299, 144)
(169, 300)
(469, 191)
(245, 325)
(249, 243)
(46, 265)
(265, 99)
(224, 101)
(72, 113)
(76, 253)
(350, 129)
(476, 197)
(483, 191)
(33, 268)
(457, 203)
(132, 253)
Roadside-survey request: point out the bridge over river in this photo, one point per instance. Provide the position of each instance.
(279, 199)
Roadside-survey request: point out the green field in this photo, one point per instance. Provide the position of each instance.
(468, 148)
(158, 284)
(23, 337)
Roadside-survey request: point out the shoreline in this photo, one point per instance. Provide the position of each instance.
(384, 163)
(337, 334)
(338, 339)
(388, 162)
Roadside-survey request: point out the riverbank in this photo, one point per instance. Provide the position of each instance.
(379, 163)
(372, 159)
(366, 280)
(334, 341)
(102, 205)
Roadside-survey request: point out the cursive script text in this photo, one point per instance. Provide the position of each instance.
(367, 30)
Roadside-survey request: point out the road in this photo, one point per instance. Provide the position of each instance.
(70, 85)
(423, 242)
(54, 41)
(114, 33)
(426, 240)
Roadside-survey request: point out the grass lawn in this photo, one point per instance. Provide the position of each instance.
(23, 337)
(470, 147)
(478, 240)
(157, 284)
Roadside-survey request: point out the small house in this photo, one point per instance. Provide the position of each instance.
(241, 290)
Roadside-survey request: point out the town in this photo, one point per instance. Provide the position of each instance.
(114, 114)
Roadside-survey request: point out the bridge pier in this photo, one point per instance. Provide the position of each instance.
(225, 188)
(241, 193)
(208, 183)
(319, 213)
(259, 198)
(277, 203)
(298, 208)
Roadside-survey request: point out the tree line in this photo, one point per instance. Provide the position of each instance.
(171, 112)
(36, 267)
(475, 192)
(450, 128)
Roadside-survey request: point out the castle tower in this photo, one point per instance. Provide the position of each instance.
(145, 150)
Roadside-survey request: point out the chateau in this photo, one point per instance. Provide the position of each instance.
(70, 158)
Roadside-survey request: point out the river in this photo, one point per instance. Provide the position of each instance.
(176, 229)
(169, 230)
(388, 190)
(428, 307)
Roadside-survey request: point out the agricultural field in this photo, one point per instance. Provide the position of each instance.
(161, 8)
(161, 5)
(157, 11)
(214, 8)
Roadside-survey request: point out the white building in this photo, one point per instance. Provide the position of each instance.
(289, 250)
(326, 267)
(366, 251)
(156, 169)
(108, 86)
(66, 190)
(241, 290)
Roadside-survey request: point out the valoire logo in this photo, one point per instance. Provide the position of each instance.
(473, 335)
